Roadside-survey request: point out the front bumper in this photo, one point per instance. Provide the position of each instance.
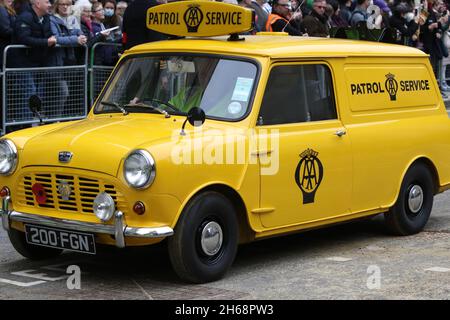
(118, 230)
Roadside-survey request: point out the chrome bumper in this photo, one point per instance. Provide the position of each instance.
(118, 230)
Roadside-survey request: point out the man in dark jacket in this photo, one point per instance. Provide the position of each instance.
(405, 28)
(134, 26)
(316, 23)
(33, 29)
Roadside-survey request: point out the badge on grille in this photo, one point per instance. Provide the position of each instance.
(65, 156)
(64, 190)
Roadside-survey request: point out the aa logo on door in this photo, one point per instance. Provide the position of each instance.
(309, 174)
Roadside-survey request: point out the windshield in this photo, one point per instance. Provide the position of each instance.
(175, 84)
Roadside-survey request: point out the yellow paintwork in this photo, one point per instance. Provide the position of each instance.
(364, 168)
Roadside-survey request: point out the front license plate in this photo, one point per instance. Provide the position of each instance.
(59, 238)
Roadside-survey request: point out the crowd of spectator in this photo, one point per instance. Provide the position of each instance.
(58, 30)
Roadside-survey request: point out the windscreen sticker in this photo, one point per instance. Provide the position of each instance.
(234, 108)
(242, 89)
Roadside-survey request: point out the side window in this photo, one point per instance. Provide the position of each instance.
(298, 93)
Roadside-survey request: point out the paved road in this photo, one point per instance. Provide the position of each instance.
(336, 263)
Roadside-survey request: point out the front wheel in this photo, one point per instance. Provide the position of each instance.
(410, 213)
(205, 241)
(30, 251)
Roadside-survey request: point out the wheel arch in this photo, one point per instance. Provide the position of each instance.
(246, 234)
(427, 162)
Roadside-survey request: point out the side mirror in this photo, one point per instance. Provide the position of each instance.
(35, 105)
(196, 117)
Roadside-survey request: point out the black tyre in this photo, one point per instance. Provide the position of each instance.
(205, 241)
(30, 251)
(410, 213)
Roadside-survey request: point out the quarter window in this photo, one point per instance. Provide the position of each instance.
(298, 93)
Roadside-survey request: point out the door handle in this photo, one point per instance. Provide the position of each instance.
(340, 132)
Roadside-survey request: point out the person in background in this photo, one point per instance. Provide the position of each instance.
(360, 12)
(282, 19)
(7, 20)
(33, 29)
(260, 14)
(316, 23)
(431, 33)
(64, 56)
(112, 20)
(106, 55)
(134, 27)
(83, 11)
(121, 7)
(403, 21)
(345, 11)
(336, 19)
(21, 6)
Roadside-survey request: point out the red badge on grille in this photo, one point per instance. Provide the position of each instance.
(39, 193)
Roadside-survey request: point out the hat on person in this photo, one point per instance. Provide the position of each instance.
(382, 5)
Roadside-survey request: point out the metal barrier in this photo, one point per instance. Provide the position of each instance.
(63, 91)
(99, 72)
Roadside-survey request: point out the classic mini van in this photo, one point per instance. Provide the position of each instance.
(214, 141)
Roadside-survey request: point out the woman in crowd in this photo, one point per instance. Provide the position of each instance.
(68, 36)
(108, 54)
(7, 20)
(113, 20)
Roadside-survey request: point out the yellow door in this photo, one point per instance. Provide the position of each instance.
(304, 150)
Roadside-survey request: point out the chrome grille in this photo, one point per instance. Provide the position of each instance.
(83, 192)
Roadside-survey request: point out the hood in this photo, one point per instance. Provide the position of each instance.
(99, 143)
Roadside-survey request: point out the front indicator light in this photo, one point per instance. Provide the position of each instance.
(4, 192)
(104, 206)
(139, 208)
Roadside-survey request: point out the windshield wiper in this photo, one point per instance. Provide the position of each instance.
(164, 112)
(168, 104)
(115, 105)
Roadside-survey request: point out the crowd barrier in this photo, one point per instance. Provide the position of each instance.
(66, 92)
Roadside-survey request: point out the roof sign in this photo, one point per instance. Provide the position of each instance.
(199, 18)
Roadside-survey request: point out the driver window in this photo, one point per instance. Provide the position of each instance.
(298, 93)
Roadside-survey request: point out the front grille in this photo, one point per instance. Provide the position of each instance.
(82, 195)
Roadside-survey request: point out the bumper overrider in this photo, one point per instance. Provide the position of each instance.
(118, 230)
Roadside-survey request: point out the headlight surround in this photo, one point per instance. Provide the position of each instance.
(139, 169)
(8, 157)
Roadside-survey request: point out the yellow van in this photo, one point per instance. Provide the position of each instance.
(209, 142)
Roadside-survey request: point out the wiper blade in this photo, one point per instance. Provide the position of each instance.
(168, 104)
(115, 105)
(143, 105)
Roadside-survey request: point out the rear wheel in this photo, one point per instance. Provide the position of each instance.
(30, 251)
(410, 213)
(204, 244)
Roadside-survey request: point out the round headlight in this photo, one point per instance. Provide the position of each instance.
(104, 206)
(139, 169)
(8, 157)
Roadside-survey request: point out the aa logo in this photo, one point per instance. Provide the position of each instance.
(309, 174)
(193, 17)
(391, 86)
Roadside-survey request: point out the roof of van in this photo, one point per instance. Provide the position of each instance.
(281, 47)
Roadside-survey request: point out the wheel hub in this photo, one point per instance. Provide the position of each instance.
(211, 238)
(415, 199)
